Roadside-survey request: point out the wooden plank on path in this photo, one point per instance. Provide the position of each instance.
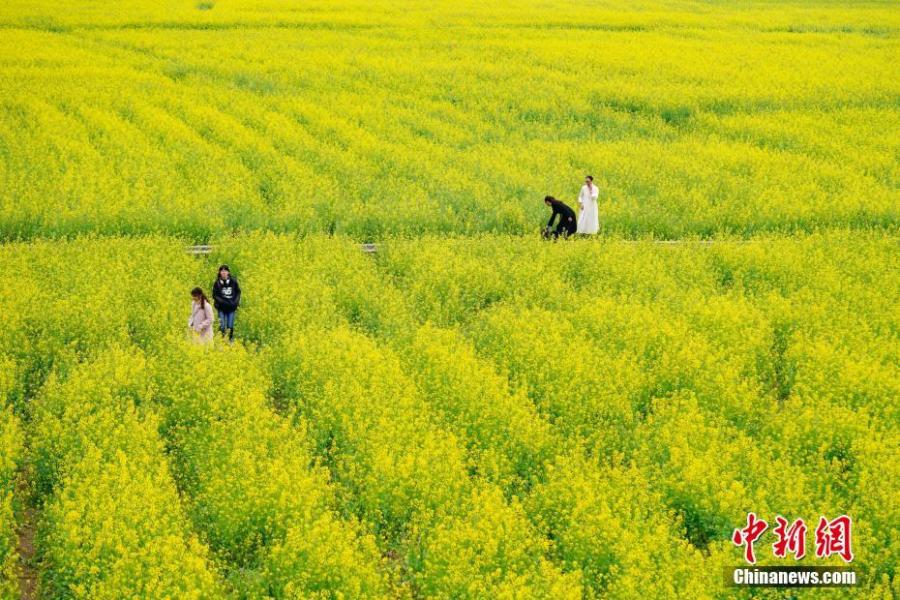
(205, 249)
(202, 250)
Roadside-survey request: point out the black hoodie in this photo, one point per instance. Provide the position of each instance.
(226, 294)
(566, 214)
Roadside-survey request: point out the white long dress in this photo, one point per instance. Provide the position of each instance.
(588, 218)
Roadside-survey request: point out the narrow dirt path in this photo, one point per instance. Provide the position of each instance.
(27, 573)
(372, 248)
(25, 548)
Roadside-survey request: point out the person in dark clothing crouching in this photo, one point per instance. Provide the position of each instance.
(226, 295)
(567, 223)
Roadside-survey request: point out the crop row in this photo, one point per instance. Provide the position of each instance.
(405, 475)
(112, 524)
(251, 487)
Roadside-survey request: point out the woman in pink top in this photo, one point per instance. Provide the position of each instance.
(201, 321)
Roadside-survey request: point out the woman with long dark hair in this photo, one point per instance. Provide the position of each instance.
(567, 224)
(200, 323)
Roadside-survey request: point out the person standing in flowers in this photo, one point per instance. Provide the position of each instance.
(588, 217)
(200, 322)
(226, 295)
(566, 225)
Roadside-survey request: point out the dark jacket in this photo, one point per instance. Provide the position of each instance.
(226, 294)
(566, 214)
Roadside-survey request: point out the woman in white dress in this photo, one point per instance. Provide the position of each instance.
(588, 217)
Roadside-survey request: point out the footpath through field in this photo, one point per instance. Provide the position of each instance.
(372, 247)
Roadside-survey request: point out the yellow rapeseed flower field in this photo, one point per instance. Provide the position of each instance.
(436, 424)
(471, 411)
(371, 118)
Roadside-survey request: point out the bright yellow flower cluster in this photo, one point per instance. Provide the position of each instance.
(508, 440)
